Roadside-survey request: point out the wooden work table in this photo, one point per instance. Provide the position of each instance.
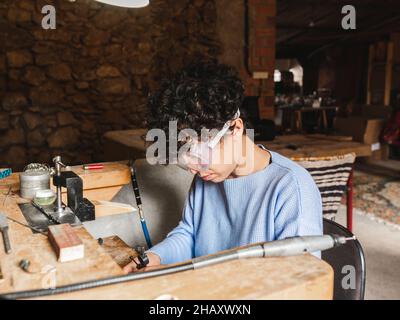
(316, 145)
(298, 277)
(130, 144)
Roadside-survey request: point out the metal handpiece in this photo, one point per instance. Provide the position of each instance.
(286, 247)
(299, 245)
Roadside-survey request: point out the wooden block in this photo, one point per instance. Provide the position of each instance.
(66, 243)
(118, 250)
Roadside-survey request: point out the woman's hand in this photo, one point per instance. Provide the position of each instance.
(154, 260)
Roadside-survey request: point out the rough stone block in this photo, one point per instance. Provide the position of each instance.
(19, 58)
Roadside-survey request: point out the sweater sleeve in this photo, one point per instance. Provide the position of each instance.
(299, 208)
(178, 246)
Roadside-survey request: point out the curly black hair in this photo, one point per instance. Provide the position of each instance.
(202, 95)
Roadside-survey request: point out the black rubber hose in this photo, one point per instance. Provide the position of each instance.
(96, 283)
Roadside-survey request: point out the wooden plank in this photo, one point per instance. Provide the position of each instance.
(106, 193)
(296, 277)
(36, 248)
(97, 194)
(307, 146)
(67, 245)
(113, 174)
(108, 209)
(118, 250)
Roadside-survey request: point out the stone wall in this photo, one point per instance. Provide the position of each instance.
(60, 90)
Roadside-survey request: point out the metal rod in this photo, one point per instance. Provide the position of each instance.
(57, 166)
(28, 226)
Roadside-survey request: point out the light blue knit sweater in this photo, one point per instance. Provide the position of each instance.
(279, 201)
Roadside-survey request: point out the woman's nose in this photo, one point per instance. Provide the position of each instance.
(203, 174)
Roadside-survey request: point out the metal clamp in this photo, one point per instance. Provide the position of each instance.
(142, 257)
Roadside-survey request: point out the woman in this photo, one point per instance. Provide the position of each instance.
(242, 193)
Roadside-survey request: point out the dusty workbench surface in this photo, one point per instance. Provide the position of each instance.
(299, 277)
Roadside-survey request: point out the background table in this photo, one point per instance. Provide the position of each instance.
(127, 144)
(316, 145)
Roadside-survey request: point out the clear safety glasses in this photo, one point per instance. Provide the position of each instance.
(198, 155)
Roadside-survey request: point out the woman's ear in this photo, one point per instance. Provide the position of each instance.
(238, 127)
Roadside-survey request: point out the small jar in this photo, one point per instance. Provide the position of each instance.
(45, 197)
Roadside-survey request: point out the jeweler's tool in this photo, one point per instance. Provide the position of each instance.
(142, 257)
(139, 205)
(4, 231)
(77, 206)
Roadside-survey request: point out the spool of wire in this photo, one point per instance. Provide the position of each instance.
(36, 176)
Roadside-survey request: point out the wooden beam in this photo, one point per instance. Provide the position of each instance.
(388, 73)
(353, 35)
(370, 60)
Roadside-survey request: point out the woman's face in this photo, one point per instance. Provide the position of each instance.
(226, 155)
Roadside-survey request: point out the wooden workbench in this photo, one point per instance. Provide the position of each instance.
(316, 145)
(299, 277)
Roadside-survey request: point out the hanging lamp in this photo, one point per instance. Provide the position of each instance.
(126, 3)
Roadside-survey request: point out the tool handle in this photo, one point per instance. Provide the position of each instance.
(139, 204)
(93, 166)
(298, 245)
(135, 187)
(6, 240)
(146, 233)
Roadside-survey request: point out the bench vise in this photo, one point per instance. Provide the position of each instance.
(77, 210)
